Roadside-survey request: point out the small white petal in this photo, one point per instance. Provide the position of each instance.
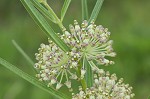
(82, 73)
(68, 84)
(58, 86)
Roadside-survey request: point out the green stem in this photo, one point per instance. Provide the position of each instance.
(83, 81)
(58, 21)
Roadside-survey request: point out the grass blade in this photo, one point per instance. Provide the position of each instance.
(42, 23)
(84, 10)
(64, 8)
(96, 10)
(22, 52)
(43, 10)
(89, 73)
(32, 80)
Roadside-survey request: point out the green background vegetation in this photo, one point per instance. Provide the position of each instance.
(127, 20)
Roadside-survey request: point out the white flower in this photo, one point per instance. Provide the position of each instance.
(90, 41)
(105, 86)
(58, 86)
(54, 65)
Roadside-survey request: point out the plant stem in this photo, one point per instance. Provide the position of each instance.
(83, 81)
(58, 21)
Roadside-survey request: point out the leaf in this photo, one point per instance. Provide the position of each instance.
(43, 10)
(84, 10)
(32, 80)
(22, 52)
(89, 73)
(42, 23)
(64, 8)
(96, 10)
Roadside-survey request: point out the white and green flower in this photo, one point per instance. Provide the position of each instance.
(54, 65)
(90, 41)
(105, 86)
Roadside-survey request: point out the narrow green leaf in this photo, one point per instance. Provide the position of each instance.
(96, 10)
(64, 8)
(84, 10)
(42, 23)
(32, 80)
(89, 73)
(22, 52)
(43, 10)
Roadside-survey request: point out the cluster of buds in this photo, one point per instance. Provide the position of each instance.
(105, 86)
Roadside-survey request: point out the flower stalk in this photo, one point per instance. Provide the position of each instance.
(58, 21)
(83, 81)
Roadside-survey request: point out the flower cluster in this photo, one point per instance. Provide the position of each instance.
(90, 41)
(105, 86)
(54, 65)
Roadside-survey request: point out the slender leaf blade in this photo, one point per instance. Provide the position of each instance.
(43, 10)
(22, 52)
(32, 80)
(64, 8)
(42, 23)
(96, 10)
(84, 10)
(89, 73)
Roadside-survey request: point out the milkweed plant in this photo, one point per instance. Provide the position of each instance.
(74, 55)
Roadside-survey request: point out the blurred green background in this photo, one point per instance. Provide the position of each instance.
(128, 21)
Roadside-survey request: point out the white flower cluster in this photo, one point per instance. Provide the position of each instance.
(54, 65)
(105, 86)
(90, 41)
